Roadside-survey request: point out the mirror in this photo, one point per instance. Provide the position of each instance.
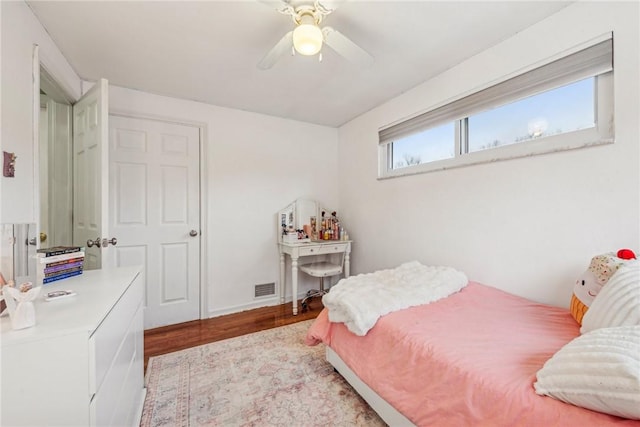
(55, 164)
(306, 214)
(297, 222)
(303, 221)
(285, 218)
(18, 252)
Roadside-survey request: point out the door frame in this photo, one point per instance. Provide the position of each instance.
(203, 195)
(72, 94)
(64, 92)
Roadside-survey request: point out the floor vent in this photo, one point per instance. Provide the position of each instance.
(265, 289)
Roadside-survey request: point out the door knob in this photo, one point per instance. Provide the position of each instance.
(193, 233)
(113, 241)
(43, 237)
(96, 242)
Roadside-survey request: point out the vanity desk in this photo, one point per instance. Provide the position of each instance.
(308, 249)
(305, 230)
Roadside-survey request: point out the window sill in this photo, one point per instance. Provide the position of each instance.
(552, 144)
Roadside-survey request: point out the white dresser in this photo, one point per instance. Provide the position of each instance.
(82, 363)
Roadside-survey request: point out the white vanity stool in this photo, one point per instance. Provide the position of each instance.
(320, 269)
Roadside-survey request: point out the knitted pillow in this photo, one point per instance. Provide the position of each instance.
(618, 303)
(597, 371)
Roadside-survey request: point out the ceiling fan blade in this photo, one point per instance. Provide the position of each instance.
(279, 5)
(346, 48)
(282, 47)
(328, 6)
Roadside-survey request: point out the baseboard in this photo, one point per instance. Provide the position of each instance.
(243, 307)
(263, 302)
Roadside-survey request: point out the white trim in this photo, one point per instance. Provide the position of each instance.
(551, 144)
(49, 85)
(35, 123)
(266, 302)
(73, 94)
(131, 114)
(204, 224)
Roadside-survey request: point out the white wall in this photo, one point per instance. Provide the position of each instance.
(529, 226)
(20, 30)
(255, 165)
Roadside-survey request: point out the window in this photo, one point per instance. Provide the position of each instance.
(565, 104)
(566, 109)
(426, 146)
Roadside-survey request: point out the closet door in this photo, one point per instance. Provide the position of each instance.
(91, 176)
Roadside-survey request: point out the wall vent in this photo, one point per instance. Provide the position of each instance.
(265, 289)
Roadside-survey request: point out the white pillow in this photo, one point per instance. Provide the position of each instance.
(599, 370)
(618, 303)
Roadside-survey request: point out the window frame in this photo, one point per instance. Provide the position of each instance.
(602, 133)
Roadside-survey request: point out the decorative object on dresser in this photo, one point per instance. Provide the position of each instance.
(265, 378)
(82, 363)
(20, 305)
(59, 262)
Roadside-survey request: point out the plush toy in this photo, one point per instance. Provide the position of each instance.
(597, 275)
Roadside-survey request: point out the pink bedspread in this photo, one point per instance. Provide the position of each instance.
(469, 359)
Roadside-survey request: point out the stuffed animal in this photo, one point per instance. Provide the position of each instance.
(597, 275)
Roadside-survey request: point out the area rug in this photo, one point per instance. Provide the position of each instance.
(268, 378)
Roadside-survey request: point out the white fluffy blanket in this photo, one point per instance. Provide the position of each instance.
(359, 301)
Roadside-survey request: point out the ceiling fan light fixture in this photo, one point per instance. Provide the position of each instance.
(307, 39)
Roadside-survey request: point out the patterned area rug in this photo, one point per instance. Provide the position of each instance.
(269, 378)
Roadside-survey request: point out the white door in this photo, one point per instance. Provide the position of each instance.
(155, 212)
(91, 175)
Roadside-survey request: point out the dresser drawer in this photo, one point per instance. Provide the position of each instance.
(107, 339)
(311, 250)
(322, 249)
(119, 395)
(333, 248)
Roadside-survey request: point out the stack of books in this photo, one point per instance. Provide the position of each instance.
(59, 262)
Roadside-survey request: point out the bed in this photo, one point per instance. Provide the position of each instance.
(470, 358)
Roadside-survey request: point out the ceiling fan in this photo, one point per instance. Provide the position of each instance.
(307, 37)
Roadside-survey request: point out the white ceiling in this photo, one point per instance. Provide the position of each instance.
(208, 50)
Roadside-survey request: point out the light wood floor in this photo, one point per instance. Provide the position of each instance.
(184, 335)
